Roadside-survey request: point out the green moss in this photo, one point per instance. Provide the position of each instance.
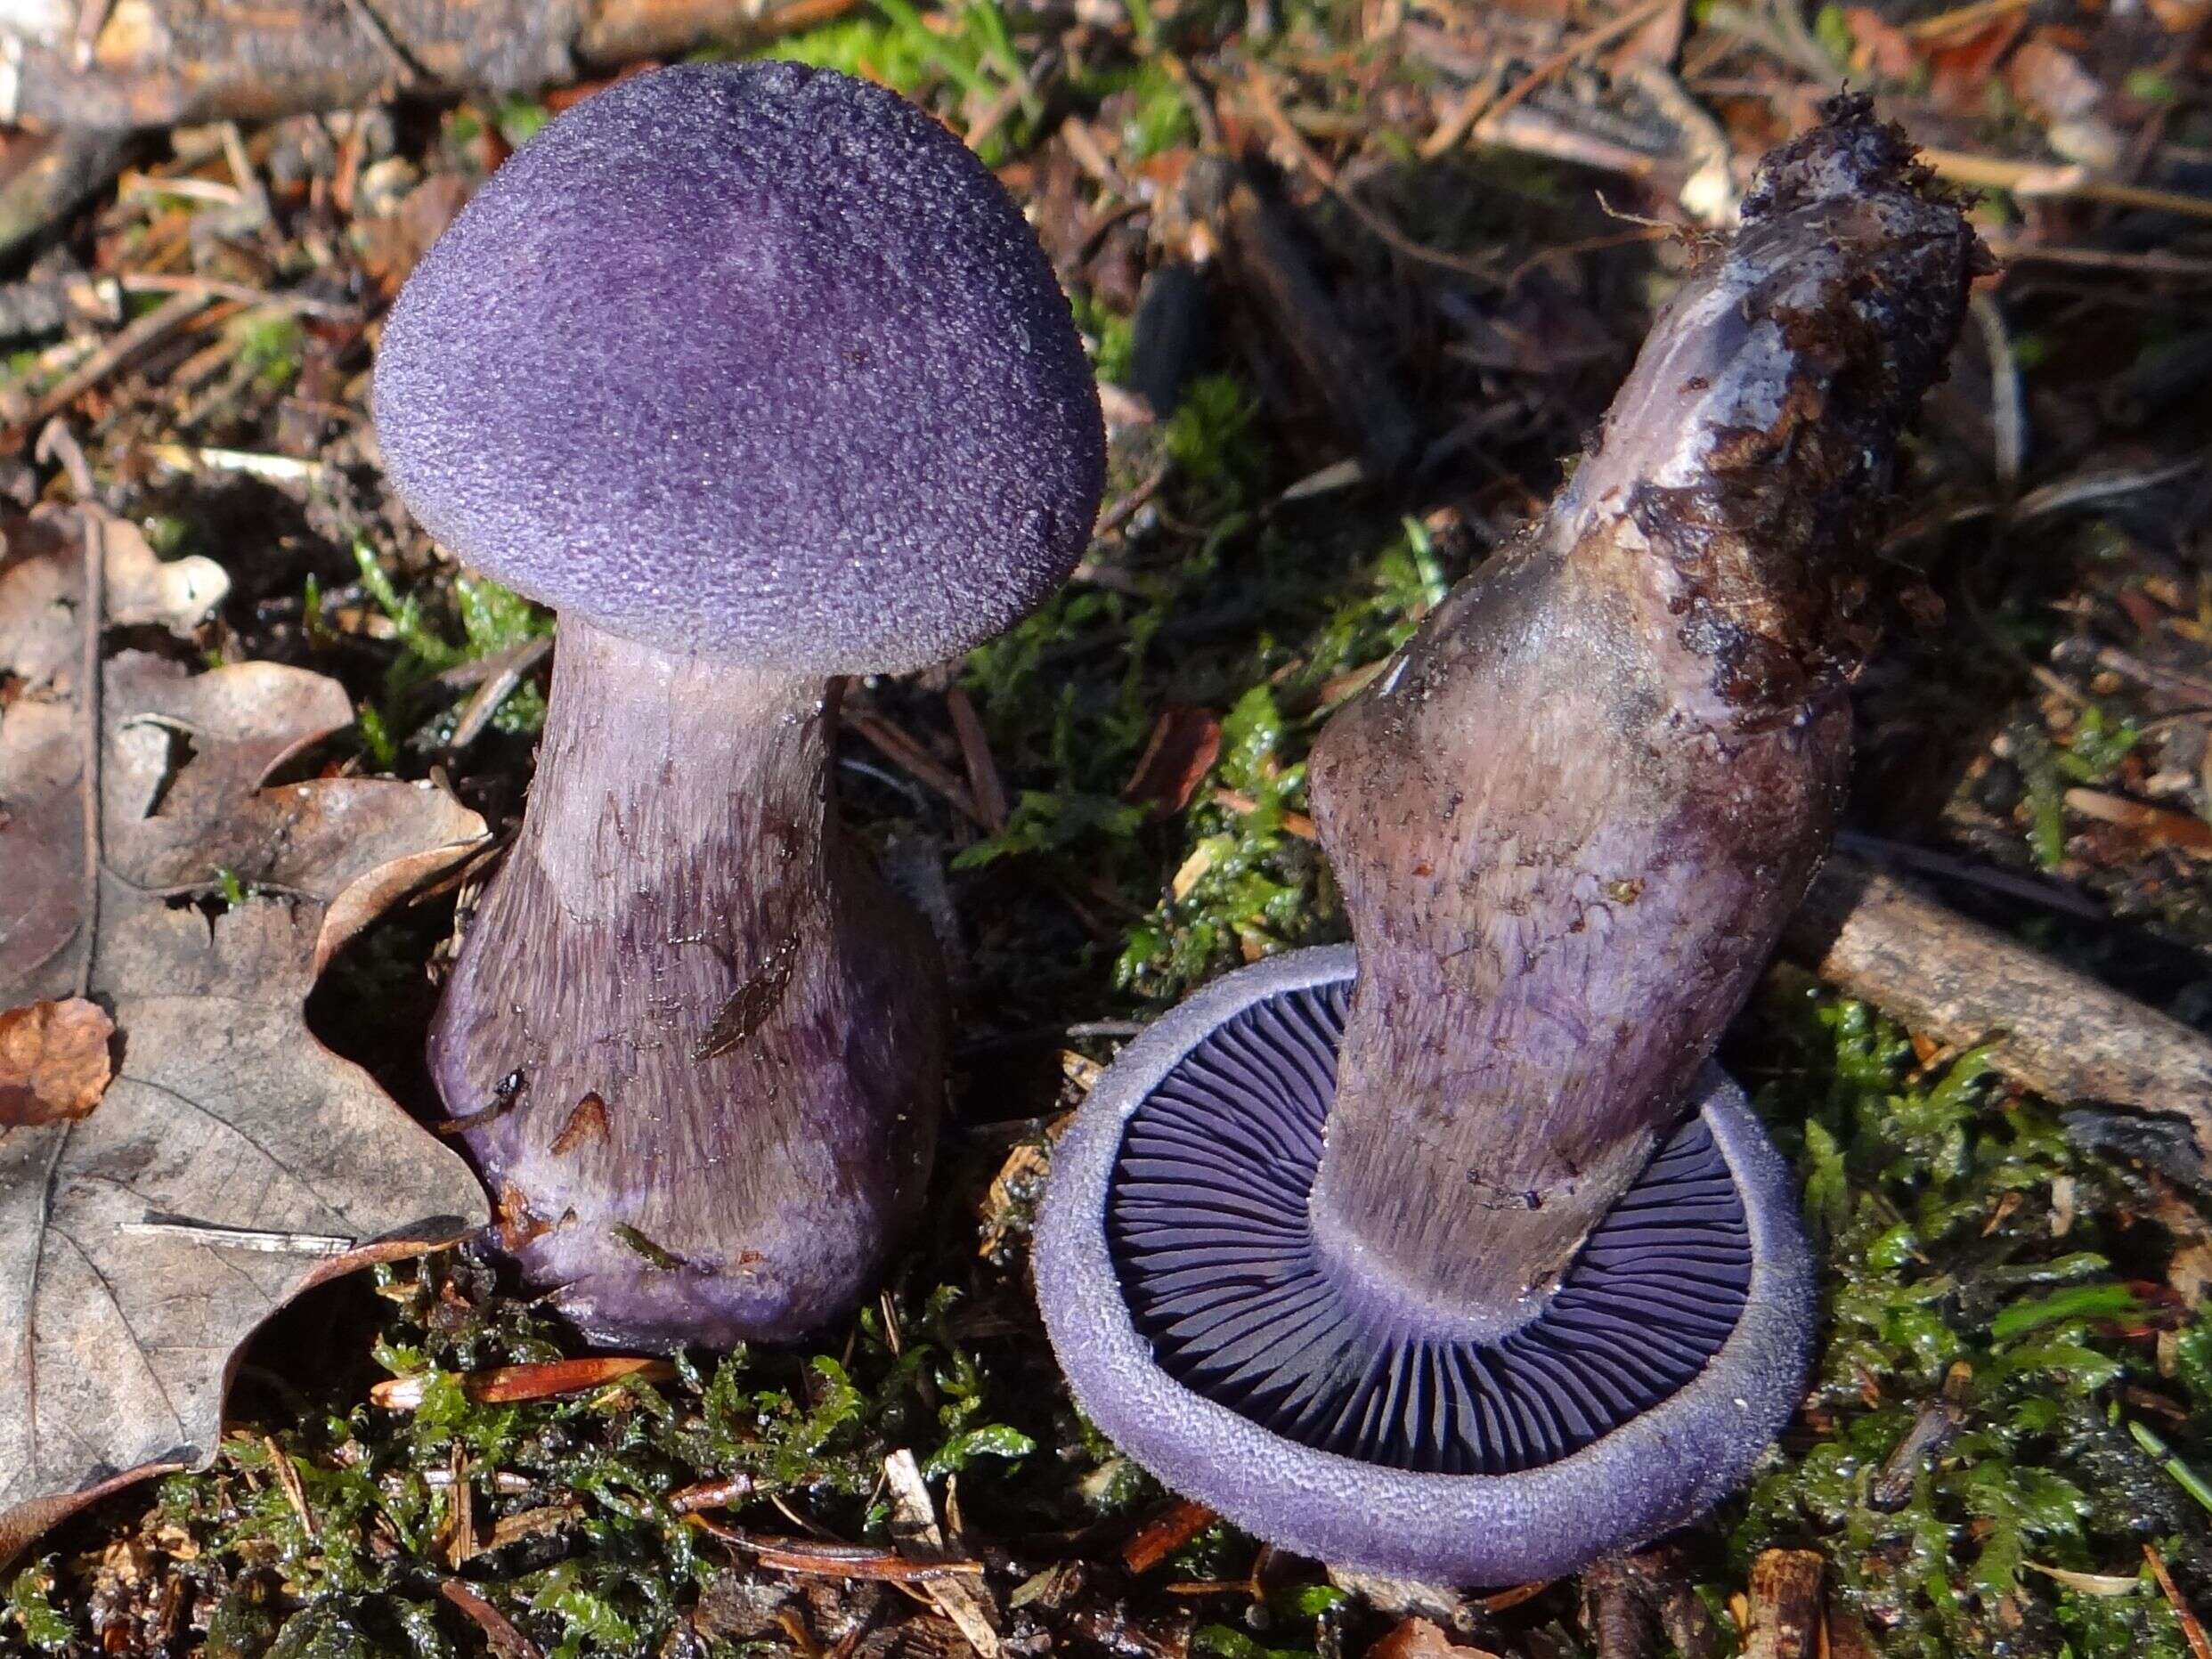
(974, 55)
(1969, 1271)
(489, 618)
(268, 349)
(31, 1608)
(359, 1570)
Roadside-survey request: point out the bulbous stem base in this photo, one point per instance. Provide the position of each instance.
(698, 1043)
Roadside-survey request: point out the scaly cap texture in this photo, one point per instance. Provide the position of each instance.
(751, 360)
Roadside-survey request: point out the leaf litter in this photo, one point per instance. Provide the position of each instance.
(178, 910)
(1243, 569)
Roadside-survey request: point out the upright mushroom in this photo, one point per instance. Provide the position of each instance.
(1518, 1281)
(757, 376)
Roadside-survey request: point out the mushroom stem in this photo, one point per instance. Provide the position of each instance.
(1571, 820)
(705, 1041)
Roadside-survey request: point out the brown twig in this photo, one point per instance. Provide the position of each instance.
(2042, 178)
(2200, 1645)
(262, 62)
(910, 757)
(1616, 1611)
(1342, 373)
(295, 1491)
(514, 665)
(712, 1494)
(984, 785)
(1270, 112)
(58, 443)
(1589, 40)
(805, 1557)
(499, 1633)
(1921, 1444)
(156, 324)
(2059, 1032)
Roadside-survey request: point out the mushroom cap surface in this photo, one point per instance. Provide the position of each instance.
(1204, 1331)
(749, 361)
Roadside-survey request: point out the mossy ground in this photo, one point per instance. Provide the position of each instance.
(2024, 1311)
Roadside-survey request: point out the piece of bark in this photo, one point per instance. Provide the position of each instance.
(162, 63)
(45, 175)
(1616, 1610)
(1169, 336)
(1683, 1616)
(1267, 264)
(39, 305)
(1784, 1605)
(920, 1539)
(1922, 1444)
(2059, 1032)
(1164, 1534)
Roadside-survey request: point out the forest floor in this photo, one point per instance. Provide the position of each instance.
(1358, 279)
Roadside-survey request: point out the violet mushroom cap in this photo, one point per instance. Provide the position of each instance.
(1216, 1346)
(757, 376)
(751, 361)
(1467, 1264)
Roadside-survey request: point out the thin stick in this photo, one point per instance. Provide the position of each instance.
(542, 1379)
(170, 314)
(804, 1558)
(712, 1494)
(163, 282)
(289, 1481)
(2059, 1032)
(1589, 41)
(499, 1633)
(903, 751)
(258, 1240)
(59, 443)
(975, 750)
(2199, 1645)
(517, 661)
(1272, 111)
(1961, 18)
(2038, 178)
(2012, 252)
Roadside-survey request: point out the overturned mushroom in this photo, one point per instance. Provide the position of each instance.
(756, 375)
(1517, 1281)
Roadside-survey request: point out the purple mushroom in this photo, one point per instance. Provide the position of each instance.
(1451, 1255)
(758, 377)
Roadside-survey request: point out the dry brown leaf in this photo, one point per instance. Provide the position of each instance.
(1879, 47)
(1185, 744)
(233, 1160)
(53, 1061)
(1419, 1639)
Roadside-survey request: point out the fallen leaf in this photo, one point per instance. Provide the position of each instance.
(1879, 47)
(1185, 744)
(53, 1061)
(2051, 80)
(2152, 826)
(540, 1379)
(1419, 1639)
(233, 1160)
(392, 242)
(1960, 69)
(1165, 1534)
